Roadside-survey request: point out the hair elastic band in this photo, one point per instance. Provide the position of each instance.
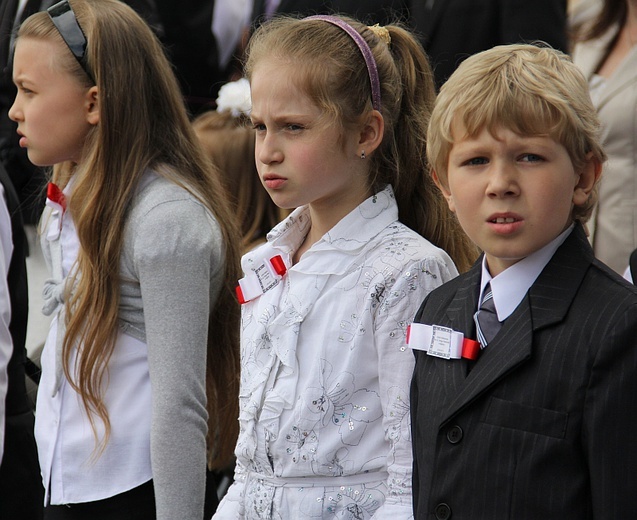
(66, 23)
(372, 70)
(381, 32)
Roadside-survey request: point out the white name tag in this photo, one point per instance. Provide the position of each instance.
(436, 340)
(441, 338)
(266, 277)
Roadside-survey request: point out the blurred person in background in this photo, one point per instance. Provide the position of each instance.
(604, 47)
(452, 30)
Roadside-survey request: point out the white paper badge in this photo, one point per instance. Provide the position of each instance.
(440, 342)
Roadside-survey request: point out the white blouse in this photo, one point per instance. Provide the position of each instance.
(72, 470)
(171, 271)
(325, 428)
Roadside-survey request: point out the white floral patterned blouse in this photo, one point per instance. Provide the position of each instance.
(325, 430)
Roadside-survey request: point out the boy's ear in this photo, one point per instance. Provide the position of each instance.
(92, 106)
(445, 191)
(588, 177)
(371, 133)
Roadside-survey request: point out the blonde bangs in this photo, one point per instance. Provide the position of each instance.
(530, 90)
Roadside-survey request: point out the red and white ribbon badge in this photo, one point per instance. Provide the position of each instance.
(262, 279)
(441, 342)
(55, 197)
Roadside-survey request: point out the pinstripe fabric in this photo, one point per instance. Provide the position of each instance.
(542, 426)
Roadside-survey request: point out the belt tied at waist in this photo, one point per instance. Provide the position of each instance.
(319, 481)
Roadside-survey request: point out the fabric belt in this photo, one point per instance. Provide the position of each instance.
(316, 481)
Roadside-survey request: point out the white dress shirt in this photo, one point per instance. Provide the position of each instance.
(71, 470)
(171, 271)
(511, 285)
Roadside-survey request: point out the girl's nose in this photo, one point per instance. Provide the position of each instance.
(268, 150)
(14, 112)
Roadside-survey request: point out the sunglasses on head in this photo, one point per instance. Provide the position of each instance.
(66, 23)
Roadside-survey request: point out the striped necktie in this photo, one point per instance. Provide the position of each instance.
(486, 318)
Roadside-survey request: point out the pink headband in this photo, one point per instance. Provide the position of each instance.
(372, 70)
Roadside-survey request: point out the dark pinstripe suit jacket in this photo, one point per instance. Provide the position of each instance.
(543, 425)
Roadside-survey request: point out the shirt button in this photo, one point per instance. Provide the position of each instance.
(442, 512)
(454, 434)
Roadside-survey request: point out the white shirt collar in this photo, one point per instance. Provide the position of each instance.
(350, 236)
(510, 286)
(351, 233)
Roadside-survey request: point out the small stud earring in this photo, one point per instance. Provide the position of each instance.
(363, 156)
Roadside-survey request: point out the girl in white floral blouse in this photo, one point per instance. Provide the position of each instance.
(340, 111)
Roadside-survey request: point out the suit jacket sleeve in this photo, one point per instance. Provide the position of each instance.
(610, 414)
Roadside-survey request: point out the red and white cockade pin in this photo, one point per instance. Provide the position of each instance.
(441, 342)
(266, 276)
(55, 197)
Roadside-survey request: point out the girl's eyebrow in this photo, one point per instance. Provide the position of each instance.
(17, 77)
(21, 81)
(284, 118)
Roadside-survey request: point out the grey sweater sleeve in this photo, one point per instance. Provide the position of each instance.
(176, 251)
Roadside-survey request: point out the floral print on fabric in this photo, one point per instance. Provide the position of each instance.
(325, 371)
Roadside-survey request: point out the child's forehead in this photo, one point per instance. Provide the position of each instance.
(460, 133)
(38, 60)
(282, 73)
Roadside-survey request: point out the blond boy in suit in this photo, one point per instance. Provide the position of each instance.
(527, 415)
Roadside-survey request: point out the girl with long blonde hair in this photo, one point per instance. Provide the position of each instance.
(140, 368)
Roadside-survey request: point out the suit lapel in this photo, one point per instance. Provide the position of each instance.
(507, 350)
(460, 312)
(546, 303)
(459, 317)
(552, 293)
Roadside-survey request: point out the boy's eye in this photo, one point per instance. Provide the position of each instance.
(477, 161)
(294, 127)
(259, 127)
(530, 157)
